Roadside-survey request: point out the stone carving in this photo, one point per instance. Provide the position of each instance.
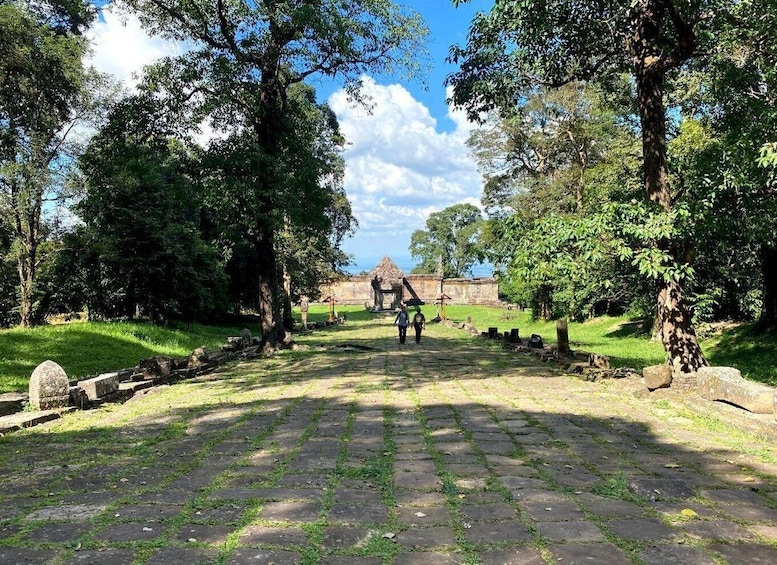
(49, 387)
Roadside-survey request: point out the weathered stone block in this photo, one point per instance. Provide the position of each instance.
(159, 366)
(657, 376)
(78, 398)
(247, 338)
(49, 387)
(198, 357)
(727, 384)
(12, 402)
(101, 385)
(599, 361)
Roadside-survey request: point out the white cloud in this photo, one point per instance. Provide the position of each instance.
(399, 167)
(121, 47)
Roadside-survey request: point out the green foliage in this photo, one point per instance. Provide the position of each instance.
(245, 61)
(450, 241)
(42, 82)
(140, 246)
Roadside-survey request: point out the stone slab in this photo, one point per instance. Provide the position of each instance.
(102, 556)
(21, 420)
(590, 553)
(249, 556)
(750, 553)
(182, 556)
(67, 512)
(497, 532)
(579, 531)
(727, 384)
(514, 556)
(660, 489)
(101, 385)
(12, 402)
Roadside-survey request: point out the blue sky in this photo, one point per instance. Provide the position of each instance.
(405, 160)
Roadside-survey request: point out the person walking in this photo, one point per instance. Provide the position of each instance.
(419, 323)
(402, 321)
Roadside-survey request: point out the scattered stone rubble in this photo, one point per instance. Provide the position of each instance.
(719, 384)
(589, 366)
(51, 393)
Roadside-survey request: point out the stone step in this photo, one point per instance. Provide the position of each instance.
(28, 419)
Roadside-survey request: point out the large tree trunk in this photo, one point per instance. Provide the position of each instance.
(676, 329)
(26, 205)
(768, 318)
(651, 64)
(269, 305)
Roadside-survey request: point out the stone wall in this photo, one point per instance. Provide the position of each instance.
(358, 290)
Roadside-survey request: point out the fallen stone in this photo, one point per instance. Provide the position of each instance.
(577, 367)
(29, 419)
(12, 402)
(198, 357)
(727, 384)
(247, 338)
(135, 386)
(158, 366)
(49, 387)
(78, 398)
(599, 361)
(657, 376)
(101, 385)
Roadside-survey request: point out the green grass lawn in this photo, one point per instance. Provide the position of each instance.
(90, 348)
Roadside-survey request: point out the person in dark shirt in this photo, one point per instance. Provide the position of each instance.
(419, 323)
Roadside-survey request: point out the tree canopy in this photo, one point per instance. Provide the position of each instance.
(450, 241)
(521, 46)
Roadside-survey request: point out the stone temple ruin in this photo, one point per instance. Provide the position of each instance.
(385, 287)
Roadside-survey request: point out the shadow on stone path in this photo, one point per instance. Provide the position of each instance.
(448, 452)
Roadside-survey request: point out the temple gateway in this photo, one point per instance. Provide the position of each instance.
(386, 287)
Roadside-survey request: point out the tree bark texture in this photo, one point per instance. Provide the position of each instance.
(26, 204)
(651, 64)
(768, 318)
(676, 329)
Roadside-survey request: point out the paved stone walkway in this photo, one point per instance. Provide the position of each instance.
(447, 452)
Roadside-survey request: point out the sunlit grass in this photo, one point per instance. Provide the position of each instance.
(89, 348)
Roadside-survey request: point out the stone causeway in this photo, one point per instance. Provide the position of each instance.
(449, 451)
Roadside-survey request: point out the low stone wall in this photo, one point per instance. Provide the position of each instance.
(51, 394)
(357, 289)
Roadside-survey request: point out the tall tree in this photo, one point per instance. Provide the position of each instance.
(41, 82)
(245, 56)
(141, 218)
(451, 239)
(309, 195)
(520, 45)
